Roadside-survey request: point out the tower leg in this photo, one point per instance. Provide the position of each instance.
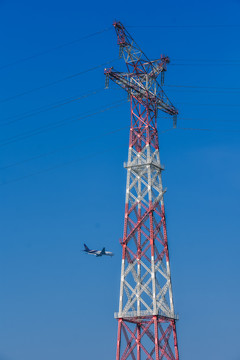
(138, 342)
(156, 337)
(175, 341)
(119, 339)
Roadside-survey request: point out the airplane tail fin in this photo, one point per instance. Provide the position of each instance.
(103, 251)
(86, 248)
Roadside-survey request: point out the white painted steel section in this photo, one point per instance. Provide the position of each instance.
(145, 288)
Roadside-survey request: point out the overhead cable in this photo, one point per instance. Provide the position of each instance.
(60, 123)
(97, 153)
(64, 163)
(205, 64)
(202, 87)
(185, 26)
(54, 48)
(62, 148)
(57, 81)
(49, 107)
(206, 129)
(208, 120)
(59, 166)
(230, 105)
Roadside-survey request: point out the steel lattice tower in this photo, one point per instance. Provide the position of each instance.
(146, 317)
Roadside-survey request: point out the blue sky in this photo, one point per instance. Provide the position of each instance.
(67, 185)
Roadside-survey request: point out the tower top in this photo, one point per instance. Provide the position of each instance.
(140, 80)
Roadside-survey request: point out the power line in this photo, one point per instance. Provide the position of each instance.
(50, 107)
(201, 129)
(203, 87)
(59, 124)
(54, 48)
(205, 91)
(216, 120)
(57, 81)
(230, 105)
(184, 26)
(214, 130)
(72, 119)
(197, 119)
(58, 166)
(195, 87)
(208, 60)
(66, 163)
(62, 148)
(205, 64)
(98, 153)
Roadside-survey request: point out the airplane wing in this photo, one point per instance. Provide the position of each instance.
(93, 252)
(101, 253)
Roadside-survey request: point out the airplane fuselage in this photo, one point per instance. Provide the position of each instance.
(97, 252)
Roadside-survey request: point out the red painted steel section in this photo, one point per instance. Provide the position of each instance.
(156, 337)
(119, 339)
(175, 341)
(155, 332)
(138, 342)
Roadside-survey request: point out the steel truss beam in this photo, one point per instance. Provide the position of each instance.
(152, 338)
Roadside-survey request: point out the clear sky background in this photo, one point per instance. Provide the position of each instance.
(62, 182)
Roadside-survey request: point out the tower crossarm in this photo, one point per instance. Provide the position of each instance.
(143, 87)
(133, 55)
(135, 59)
(158, 66)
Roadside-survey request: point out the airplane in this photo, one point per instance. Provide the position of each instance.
(97, 252)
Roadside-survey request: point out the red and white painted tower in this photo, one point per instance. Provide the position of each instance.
(146, 317)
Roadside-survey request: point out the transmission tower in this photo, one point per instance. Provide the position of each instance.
(146, 317)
